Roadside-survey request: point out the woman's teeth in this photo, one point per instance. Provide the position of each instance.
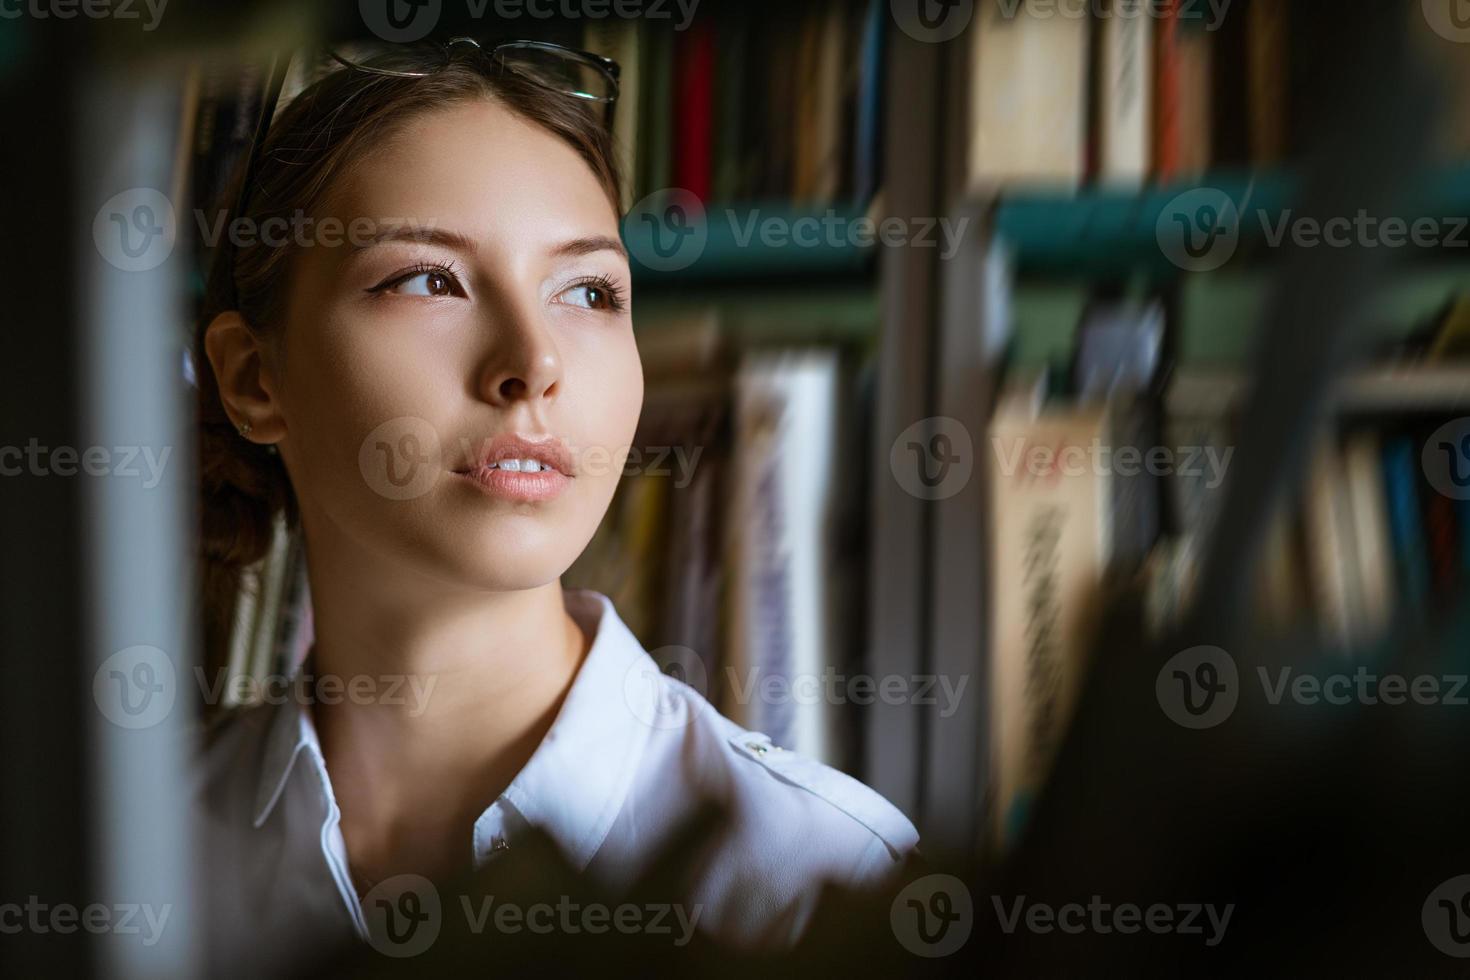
(519, 466)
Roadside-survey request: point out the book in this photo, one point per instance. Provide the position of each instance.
(780, 638)
(1195, 59)
(1268, 54)
(1125, 81)
(1119, 345)
(1167, 150)
(1410, 549)
(867, 139)
(1335, 590)
(656, 87)
(694, 111)
(1369, 507)
(1050, 544)
(732, 155)
(1028, 98)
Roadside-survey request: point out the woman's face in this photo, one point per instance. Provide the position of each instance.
(489, 300)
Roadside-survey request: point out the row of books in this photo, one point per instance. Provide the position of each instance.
(271, 627)
(1375, 538)
(732, 547)
(1120, 92)
(781, 103)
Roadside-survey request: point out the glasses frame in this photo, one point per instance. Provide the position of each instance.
(276, 80)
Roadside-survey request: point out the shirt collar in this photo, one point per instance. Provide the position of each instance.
(576, 781)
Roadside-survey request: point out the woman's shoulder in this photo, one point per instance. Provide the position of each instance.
(799, 811)
(791, 823)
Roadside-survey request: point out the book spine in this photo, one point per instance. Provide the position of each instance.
(694, 67)
(1028, 99)
(1409, 548)
(1167, 128)
(778, 533)
(867, 154)
(1050, 548)
(1125, 86)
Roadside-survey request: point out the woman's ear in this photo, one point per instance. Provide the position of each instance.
(243, 376)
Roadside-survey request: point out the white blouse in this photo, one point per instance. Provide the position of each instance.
(631, 753)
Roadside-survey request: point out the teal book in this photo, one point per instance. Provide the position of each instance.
(1410, 548)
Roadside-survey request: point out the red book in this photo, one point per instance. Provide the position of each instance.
(1167, 128)
(694, 112)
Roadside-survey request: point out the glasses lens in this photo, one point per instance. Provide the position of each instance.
(559, 69)
(408, 60)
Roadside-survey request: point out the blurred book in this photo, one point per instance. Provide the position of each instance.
(1028, 98)
(781, 632)
(1050, 546)
(1125, 89)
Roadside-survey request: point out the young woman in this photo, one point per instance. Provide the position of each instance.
(444, 399)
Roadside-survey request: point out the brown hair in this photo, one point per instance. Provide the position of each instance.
(325, 130)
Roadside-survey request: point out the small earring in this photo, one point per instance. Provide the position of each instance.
(245, 428)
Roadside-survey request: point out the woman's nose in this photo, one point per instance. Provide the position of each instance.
(523, 363)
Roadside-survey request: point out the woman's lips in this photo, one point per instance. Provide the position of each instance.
(521, 468)
(517, 485)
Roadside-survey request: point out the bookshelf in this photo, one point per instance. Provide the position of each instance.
(1098, 231)
(749, 243)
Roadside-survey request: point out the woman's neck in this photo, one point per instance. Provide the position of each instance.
(454, 692)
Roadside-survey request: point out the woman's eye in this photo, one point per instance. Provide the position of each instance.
(592, 296)
(426, 284)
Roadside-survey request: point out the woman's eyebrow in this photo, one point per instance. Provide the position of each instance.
(590, 244)
(415, 233)
(462, 243)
